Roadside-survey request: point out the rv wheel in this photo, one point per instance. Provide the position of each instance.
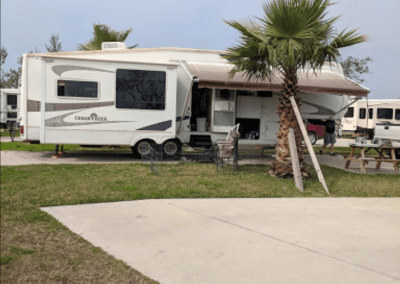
(172, 149)
(143, 148)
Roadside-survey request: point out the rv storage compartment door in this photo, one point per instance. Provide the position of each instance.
(224, 110)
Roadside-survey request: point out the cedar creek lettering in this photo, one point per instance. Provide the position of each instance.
(92, 117)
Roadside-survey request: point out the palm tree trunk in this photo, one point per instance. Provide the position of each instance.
(282, 166)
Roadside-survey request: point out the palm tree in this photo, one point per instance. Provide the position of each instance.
(292, 36)
(103, 33)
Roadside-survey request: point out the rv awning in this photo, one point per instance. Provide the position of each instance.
(325, 82)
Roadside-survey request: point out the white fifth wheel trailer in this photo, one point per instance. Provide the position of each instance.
(10, 100)
(167, 96)
(363, 115)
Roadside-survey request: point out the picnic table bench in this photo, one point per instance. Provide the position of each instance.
(364, 159)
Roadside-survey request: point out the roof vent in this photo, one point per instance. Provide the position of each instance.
(113, 45)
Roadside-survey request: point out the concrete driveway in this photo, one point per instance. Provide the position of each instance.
(285, 240)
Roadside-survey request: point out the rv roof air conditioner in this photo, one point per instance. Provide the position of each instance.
(113, 45)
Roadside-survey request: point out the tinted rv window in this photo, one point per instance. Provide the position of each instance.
(12, 101)
(350, 112)
(140, 89)
(77, 89)
(385, 113)
(370, 113)
(397, 115)
(11, 115)
(225, 95)
(363, 113)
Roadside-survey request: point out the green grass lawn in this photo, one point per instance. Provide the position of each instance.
(22, 146)
(7, 133)
(36, 248)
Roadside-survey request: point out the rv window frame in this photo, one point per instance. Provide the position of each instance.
(78, 80)
(396, 111)
(231, 92)
(139, 109)
(16, 100)
(384, 108)
(8, 113)
(348, 109)
(362, 113)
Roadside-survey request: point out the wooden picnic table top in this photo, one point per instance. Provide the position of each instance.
(371, 146)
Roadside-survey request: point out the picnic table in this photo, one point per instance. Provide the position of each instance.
(364, 159)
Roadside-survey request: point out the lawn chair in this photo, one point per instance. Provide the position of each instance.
(228, 149)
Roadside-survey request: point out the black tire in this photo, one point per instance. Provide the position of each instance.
(313, 137)
(135, 154)
(397, 153)
(144, 148)
(172, 149)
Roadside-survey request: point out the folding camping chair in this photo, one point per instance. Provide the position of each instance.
(228, 149)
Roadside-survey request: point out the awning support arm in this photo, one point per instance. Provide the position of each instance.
(193, 80)
(185, 107)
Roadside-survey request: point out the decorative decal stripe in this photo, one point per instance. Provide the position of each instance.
(58, 121)
(162, 126)
(178, 118)
(33, 106)
(71, 106)
(65, 68)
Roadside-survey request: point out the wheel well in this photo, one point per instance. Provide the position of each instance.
(148, 140)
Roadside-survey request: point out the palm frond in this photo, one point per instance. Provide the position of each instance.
(104, 33)
(292, 34)
(345, 39)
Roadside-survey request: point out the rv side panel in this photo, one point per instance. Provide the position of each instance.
(97, 103)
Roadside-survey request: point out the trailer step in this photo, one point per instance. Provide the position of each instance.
(200, 141)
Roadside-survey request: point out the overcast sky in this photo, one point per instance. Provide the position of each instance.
(27, 24)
